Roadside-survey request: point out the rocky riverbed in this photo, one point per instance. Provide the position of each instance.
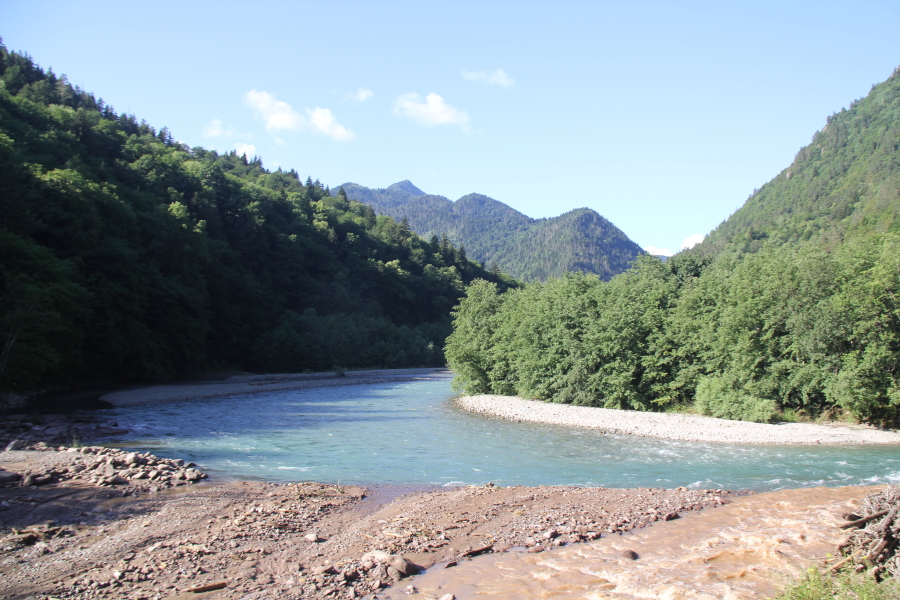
(75, 533)
(674, 426)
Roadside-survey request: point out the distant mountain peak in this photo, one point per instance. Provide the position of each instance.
(495, 233)
(406, 186)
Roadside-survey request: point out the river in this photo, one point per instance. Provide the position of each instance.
(411, 433)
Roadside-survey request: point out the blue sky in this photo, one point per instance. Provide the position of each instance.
(662, 116)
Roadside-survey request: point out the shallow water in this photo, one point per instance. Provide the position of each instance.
(411, 433)
(748, 549)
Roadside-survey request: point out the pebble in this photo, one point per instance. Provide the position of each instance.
(102, 467)
(671, 426)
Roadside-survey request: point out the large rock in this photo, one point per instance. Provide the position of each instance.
(376, 556)
(9, 477)
(403, 566)
(14, 445)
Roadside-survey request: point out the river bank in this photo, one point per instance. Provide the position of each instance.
(251, 384)
(77, 536)
(673, 426)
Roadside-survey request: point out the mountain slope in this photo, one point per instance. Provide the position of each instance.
(846, 182)
(494, 233)
(127, 256)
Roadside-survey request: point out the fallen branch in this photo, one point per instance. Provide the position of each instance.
(209, 588)
(864, 520)
(841, 563)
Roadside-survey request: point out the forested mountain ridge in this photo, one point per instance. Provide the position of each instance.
(846, 182)
(789, 309)
(125, 255)
(496, 234)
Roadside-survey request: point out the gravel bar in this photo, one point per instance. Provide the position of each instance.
(673, 426)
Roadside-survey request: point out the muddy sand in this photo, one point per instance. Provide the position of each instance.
(76, 537)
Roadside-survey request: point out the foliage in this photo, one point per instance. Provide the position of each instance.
(846, 182)
(125, 255)
(846, 586)
(495, 234)
(747, 336)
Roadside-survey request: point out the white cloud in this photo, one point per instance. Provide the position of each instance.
(278, 115)
(321, 120)
(248, 150)
(279, 141)
(498, 77)
(360, 95)
(433, 111)
(692, 240)
(658, 251)
(215, 129)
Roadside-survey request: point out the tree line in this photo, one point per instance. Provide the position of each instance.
(779, 333)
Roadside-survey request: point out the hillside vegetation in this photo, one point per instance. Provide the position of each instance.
(497, 235)
(126, 256)
(790, 307)
(846, 182)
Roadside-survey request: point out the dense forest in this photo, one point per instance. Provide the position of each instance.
(505, 239)
(846, 182)
(127, 256)
(790, 308)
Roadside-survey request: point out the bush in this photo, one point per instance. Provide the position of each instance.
(722, 397)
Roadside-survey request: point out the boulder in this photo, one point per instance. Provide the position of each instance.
(376, 556)
(9, 477)
(403, 566)
(14, 445)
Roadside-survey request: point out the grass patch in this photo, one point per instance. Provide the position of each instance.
(846, 586)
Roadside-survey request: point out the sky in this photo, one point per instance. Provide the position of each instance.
(661, 116)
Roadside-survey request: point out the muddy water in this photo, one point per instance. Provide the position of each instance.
(747, 549)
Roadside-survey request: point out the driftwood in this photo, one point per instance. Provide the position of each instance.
(872, 546)
(864, 520)
(477, 551)
(209, 588)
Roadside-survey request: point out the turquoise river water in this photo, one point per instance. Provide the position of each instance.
(411, 433)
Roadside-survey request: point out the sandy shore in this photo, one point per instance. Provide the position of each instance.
(673, 426)
(250, 384)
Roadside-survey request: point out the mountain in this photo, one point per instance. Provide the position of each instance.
(128, 256)
(845, 183)
(496, 234)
